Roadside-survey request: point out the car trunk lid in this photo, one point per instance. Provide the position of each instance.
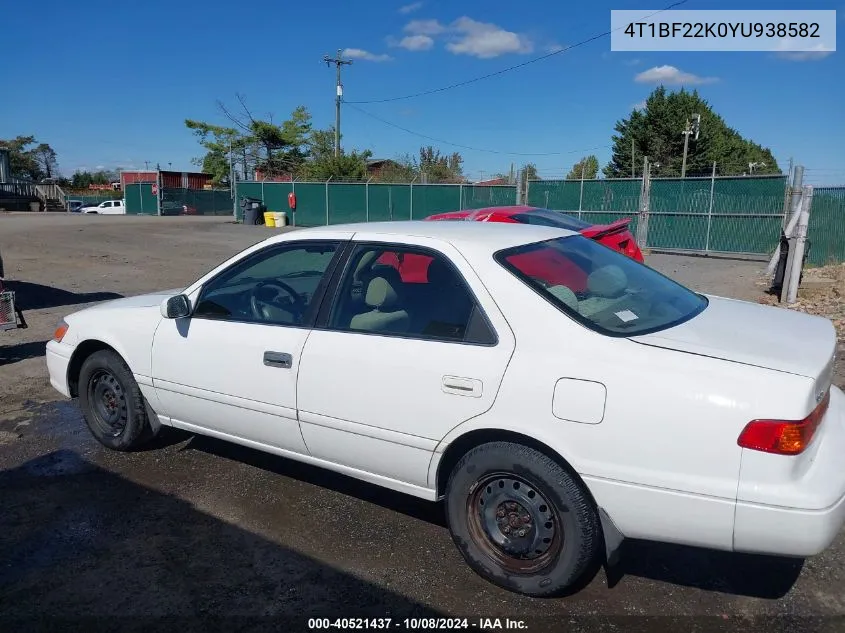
(754, 334)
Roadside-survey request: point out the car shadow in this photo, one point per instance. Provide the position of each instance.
(82, 542)
(737, 574)
(749, 575)
(396, 501)
(21, 351)
(32, 296)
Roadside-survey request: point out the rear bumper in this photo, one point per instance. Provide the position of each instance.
(775, 522)
(786, 531)
(58, 359)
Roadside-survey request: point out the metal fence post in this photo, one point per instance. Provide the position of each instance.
(293, 211)
(263, 199)
(327, 199)
(461, 195)
(412, 198)
(642, 224)
(547, 199)
(158, 192)
(581, 196)
(525, 193)
(796, 194)
(794, 271)
(367, 198)
(710, 209)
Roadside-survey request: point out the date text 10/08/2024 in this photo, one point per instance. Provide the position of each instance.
(417, 624)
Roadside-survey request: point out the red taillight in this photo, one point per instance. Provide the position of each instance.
(783, 437)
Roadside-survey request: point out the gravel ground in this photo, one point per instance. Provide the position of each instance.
(197, 529)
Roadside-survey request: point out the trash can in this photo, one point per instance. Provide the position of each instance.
(35, 207)
(269, 220)
(281, 218)
(252, 211)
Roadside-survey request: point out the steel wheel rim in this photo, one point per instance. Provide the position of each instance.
(513, 523)
(108, 403)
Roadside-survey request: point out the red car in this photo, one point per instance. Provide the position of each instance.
(615, 235)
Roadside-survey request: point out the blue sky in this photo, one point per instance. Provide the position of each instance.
(110, 84)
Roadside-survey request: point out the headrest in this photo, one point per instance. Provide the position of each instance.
(607, 281)
(565, 296)
(380, 294)
(440, 274)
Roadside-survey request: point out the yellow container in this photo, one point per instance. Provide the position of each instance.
(269, 219)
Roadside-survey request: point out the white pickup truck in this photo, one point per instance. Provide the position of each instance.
(109, 207)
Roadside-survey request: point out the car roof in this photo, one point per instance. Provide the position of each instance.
(491, 236)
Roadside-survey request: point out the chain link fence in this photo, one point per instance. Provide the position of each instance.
(717, 214)
(338, 203)
(827, 226)
(195, 201)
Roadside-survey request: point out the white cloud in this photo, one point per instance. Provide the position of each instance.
(410, 8)
(804, 56)
(416, 42)
(100, 167)
(554, 48)
(359, 53)
(485, 40)
(820, 51)
(669, 75)
(639, 106)
(424, 27)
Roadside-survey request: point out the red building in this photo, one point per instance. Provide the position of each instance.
(168, 179)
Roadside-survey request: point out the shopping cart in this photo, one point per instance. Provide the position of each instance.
(11, 317)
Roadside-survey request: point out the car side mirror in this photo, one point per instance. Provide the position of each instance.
(177, 307)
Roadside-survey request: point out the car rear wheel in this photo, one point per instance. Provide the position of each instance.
(112, 403)
(520, 520)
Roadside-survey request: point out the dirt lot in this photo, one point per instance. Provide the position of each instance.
(194, 527)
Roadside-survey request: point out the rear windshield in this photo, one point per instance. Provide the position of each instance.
(600, 287)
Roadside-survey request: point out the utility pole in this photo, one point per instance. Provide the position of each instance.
(338, 62)
(689, 129)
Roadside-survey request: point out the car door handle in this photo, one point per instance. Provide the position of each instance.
(278, 359)
(458, 386)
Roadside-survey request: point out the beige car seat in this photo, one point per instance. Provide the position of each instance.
(386, 313)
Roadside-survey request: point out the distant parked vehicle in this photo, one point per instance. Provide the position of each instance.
(615, 235)
(109, 207)
(174, 207)
(73, 206)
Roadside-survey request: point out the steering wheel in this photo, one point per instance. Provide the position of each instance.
(266, 301)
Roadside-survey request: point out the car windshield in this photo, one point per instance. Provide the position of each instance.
(604, 290)
(556, 219)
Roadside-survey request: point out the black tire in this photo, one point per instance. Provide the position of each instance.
(112, 403)
(560, 534)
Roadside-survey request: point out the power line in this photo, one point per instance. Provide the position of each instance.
(516, 66)
(469, 147)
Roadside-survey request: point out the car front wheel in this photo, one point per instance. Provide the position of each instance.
(112, 404)
(521, 520)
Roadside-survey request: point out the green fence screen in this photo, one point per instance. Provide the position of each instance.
(340, 203)
(140, 199)
(721, 215)
(196, 202)
(732, 215)
(826, 232)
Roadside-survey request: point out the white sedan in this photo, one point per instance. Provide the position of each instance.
(558, 395)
